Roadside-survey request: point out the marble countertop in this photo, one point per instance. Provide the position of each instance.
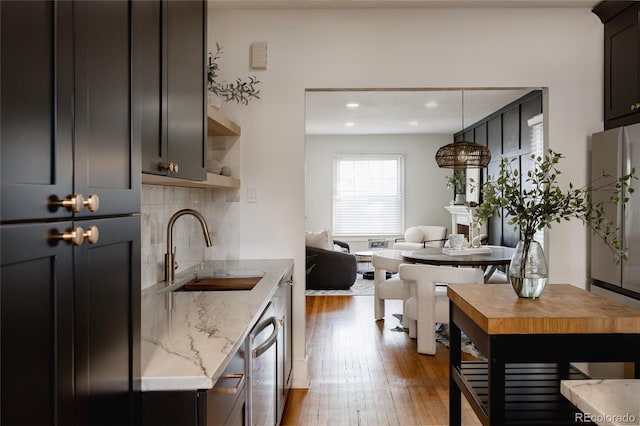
(188, 347)
(605, 402)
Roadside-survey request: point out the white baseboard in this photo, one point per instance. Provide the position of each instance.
(301, 378)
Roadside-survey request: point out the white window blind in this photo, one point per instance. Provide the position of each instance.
(537, 148)
(368, 196)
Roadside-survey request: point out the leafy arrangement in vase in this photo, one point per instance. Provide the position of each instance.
(240, 91)
(538, 204)
(457, 181)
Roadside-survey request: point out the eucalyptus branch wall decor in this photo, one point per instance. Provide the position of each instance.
(240, 91)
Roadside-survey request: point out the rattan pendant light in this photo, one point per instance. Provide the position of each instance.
(463, 155)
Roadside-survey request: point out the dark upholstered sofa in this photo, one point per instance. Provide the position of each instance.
(330, 270)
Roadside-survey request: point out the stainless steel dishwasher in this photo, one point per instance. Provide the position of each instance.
(263, 369)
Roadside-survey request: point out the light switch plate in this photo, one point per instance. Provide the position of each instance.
(252, 194)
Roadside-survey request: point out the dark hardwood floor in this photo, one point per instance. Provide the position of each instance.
(364, 373)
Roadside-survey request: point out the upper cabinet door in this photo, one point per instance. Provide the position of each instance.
(622, 71)
(185, 26)
(106, 153)
(35, 115)
(170, 78)
(147, 83)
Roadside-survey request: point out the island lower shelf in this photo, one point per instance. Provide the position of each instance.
(532, 392)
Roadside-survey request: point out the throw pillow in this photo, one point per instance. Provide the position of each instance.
(321, 240)
(413, 234)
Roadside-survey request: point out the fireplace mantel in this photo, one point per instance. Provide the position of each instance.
(461, 219)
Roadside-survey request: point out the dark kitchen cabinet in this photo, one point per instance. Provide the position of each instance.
(37, 95)
(170, 74)
(107, 323)
(36, 315)
(106, 158)
(69, 318)
(66, 109)
(621, 62)
(69, 307)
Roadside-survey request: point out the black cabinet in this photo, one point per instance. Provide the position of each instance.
(69, 314)
(36, 315)
(107, 323)
(37, 72)
(106, 159)
(621, 62)
(170, 75)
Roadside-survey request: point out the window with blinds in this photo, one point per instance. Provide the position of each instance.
(537, 148)
(368, 194)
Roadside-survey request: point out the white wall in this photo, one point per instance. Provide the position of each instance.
(561, 49)
(426, 193)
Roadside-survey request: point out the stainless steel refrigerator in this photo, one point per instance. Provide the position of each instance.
(614, 152)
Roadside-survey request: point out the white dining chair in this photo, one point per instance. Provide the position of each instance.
(386, 261)
(427, 302)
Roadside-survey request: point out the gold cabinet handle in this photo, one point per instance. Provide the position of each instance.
(235, 389)
(635, 106)
(169, 167)
(76, 203)
(77, 235)
(92, 234)
(92, 202)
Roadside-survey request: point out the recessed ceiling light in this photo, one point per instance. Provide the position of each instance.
(352, 105)
(413, 123)
(431, 104)
(349, 124)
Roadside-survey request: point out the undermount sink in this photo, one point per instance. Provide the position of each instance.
(221, 282)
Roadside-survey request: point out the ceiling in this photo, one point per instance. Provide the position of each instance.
(401, 111)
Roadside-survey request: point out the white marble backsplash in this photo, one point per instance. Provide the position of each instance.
(221, 210)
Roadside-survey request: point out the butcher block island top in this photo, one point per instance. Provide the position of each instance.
(562, 309)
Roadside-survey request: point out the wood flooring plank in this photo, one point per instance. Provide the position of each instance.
(365, 373)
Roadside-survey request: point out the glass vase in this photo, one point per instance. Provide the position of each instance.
(528, 270)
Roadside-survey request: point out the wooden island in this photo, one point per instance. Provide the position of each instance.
(529, 345)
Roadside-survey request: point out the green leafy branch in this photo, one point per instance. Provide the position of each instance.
(457, 181)
(540, 201)
(239, 91)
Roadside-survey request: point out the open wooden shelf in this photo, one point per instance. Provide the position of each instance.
(213, 181)
(219, 125)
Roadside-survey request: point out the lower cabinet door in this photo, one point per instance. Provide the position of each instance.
(36, 308)
(107, 298)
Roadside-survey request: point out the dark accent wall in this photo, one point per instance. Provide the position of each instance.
(506, 133)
